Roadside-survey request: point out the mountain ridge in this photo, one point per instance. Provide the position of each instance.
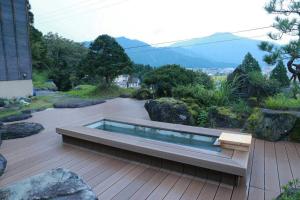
(220, 50)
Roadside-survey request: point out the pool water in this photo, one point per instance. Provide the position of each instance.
(175, 137)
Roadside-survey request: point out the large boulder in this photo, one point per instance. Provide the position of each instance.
(169, 110)
(20, 130)
(3, 163)
(57, 184)
(270, 124)
(16, 117)
(77, 103)
(223, 117)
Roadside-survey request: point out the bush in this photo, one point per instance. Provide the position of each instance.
(282, 102)
(202, 118)
(291, 191)
(142, 94)
(295, 133)
(253, 120)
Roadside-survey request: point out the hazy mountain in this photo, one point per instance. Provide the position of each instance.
(201, 52)
(222, 47)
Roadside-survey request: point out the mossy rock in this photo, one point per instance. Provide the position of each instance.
(270, 125)
(295, 133)
(169, 110)
(223, 117)
(142, 94)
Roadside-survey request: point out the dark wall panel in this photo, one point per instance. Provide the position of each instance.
(15, 38)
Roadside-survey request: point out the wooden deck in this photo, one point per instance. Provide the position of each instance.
(272, 164)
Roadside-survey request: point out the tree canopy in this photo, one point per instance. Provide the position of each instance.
(107, 59)
(287, 22)
(164, 78)
(279, 73)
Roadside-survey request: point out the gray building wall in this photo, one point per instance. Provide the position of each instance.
(15, 55)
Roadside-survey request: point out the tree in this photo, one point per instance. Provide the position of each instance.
(37, 43)
(249, 64)
(64, 57)
(165, 78)
(287, 22)
(248, 80)
(107, 59)
(279, 73)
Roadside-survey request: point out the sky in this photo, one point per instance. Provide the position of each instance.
(151, 21)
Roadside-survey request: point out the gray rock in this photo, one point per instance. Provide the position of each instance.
(169, 110)
(3, 163)
(17, 117)
(272, 125)
(57, 184)
(77, 103)
(20, 130)
(223, 117)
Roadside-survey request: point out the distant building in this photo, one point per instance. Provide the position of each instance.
(127, 81)
(15, 55)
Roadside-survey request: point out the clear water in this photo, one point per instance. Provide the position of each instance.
(176, 137)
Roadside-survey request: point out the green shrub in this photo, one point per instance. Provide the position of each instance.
(291, 191)
(241, 107)
(202, 118)
(142, 94)
(253, 120)
(295, 133)
(282, 102)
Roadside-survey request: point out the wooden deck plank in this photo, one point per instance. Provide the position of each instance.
(109, 170)
(136, 184)
(106, 183)
(284, 170)
(44, 151)
(272, 185)
(161, 191)
(256, 194)
(209, 191)
(179, 188)
(224, 192)
(122, 183)
(258, 173)
(148, 187)
(241, 192)
(293, 159)
(193, 190)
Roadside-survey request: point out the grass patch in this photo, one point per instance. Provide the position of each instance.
(94, 92)
(281, 102)
(40, 81)
(37, 103)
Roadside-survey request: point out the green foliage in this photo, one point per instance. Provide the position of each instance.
(142, 94)
(291, 191)
(64, 57)
(279, 73)
(248, 81)
(249, 64)
(287, 22)
(202, 118)
(40, 81)
(140, 71)
(295, 90)
(241, 108)
(98, 92)
(165, 78)
(105, 59)
(295, 133)
(37, 103)
(282, 102)
(254, 119)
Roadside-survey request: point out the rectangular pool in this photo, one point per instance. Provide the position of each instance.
(175, 137)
